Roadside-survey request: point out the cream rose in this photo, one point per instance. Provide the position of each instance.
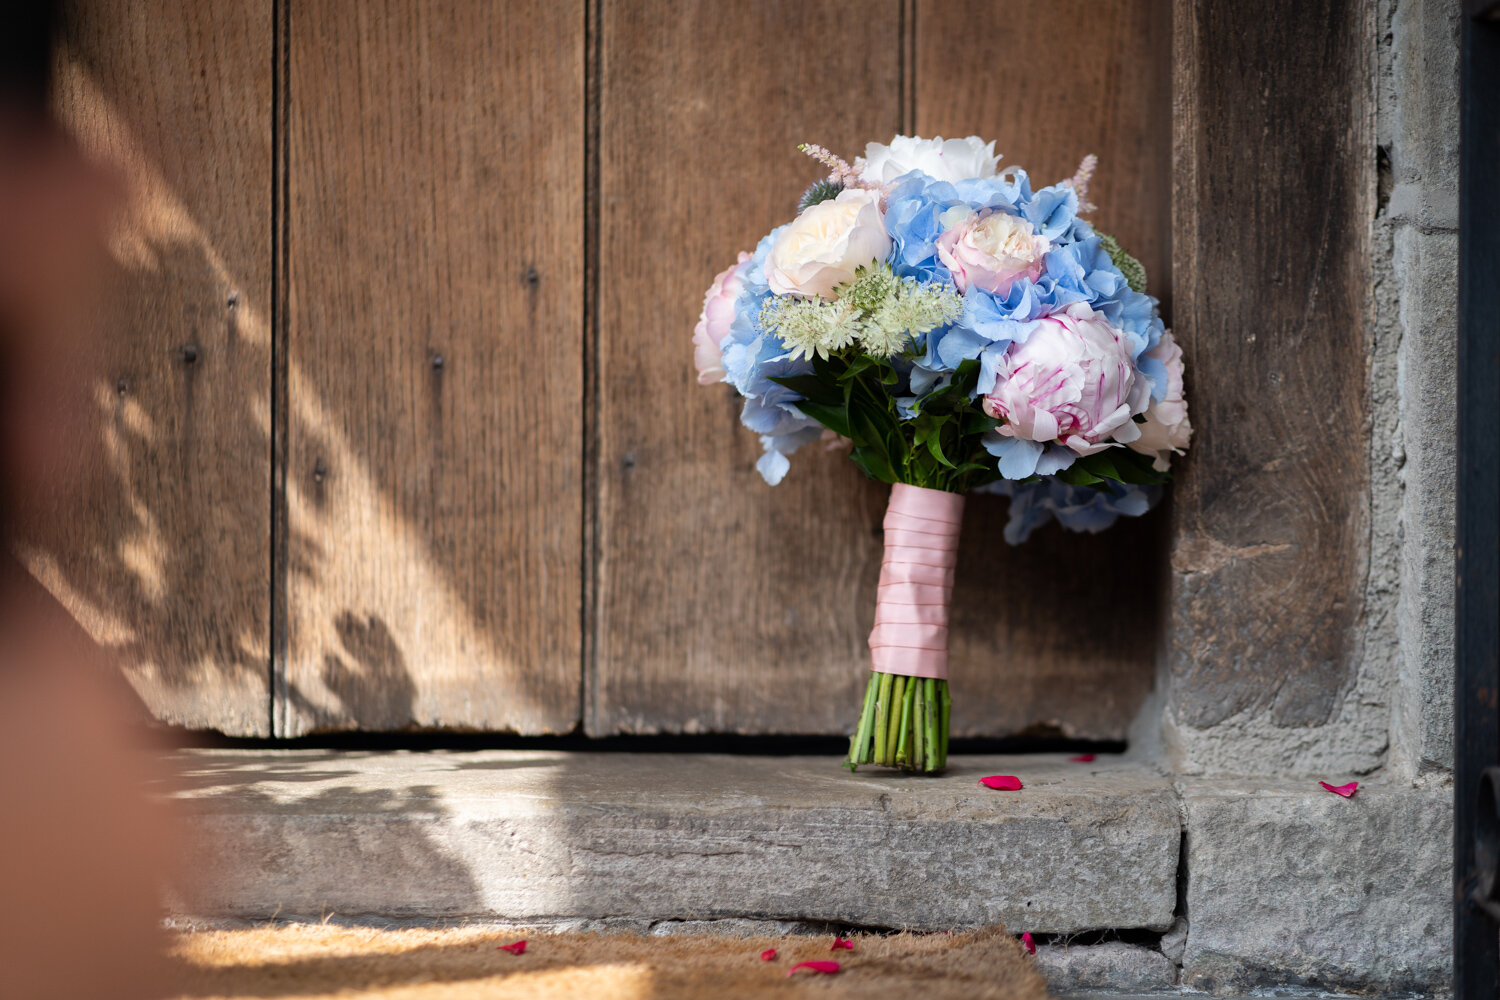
(820, 249)
(990, 250)
(939, 158)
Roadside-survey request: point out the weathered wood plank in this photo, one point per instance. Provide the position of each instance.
(1060, 634)
(723, 604)
(1274, 168)
(167, 562)
(434, 365)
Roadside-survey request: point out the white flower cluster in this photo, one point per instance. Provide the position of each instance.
(877, 311)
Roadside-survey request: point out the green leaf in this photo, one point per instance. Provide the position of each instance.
(875, 426)
(874, 464)
(1100, 465)
(1134, 467)
(978, 422)
(1122, 466)
(965, 377)
(928, 433)
(1075, 475)
(922, 469)
(810, 387)
(834, 417)
(934, 445)
(856, 367)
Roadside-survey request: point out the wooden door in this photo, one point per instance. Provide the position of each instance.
(168, 564)
(430, 562)
(400, 430)
(727, 605)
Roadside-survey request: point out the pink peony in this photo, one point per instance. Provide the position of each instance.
(1072, 381)
(1166, 430)
(713, 322)
(990, 250)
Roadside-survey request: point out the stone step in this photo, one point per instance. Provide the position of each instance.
(552, 836)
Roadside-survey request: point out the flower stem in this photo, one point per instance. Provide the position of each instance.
(882, 714)
(893, 724)
(929, 722)
(918, 729)
(947, 715)
(859, 746)
(903, 745)
(903, 724)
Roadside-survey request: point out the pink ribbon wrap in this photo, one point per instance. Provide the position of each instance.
(910, 636)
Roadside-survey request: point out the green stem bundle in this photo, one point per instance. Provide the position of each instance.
(904, 724)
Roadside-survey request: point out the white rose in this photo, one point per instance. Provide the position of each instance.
(939, 158)
(819, 250)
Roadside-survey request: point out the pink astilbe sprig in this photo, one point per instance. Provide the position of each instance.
(839, 170)
(1079, 182)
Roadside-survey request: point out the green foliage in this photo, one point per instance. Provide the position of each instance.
(1118, 464)
(941, 446)
(1134, 271)
(819, 191)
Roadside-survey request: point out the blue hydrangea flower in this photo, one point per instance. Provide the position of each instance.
(1076, 270)
(751, 358)
(1076, 508)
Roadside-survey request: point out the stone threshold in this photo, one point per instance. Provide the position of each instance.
(548, 836)
(1282, 883)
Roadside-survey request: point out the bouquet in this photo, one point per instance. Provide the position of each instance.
(956, 330)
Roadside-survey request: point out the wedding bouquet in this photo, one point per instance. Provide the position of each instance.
(957, 331)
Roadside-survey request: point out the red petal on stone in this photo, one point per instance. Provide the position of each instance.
(1003, 782)
(1347, 791)
(1083, 758)
(768, 955)
(839, 942)
(515, 949)
(1028, 943)
(827, 968)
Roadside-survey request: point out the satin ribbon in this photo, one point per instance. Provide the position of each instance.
(910, 636)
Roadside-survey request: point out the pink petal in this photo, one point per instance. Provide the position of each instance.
(839, 942)
(827, 968)
(1028, 943)
(768, 955)
(515, 949)
(1082, 758)
(1347, 791)
(1002, 782)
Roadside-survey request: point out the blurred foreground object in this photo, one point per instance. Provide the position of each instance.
(81, 850)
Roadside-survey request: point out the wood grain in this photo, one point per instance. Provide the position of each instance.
(723, 604)
(166, 563)
(434, 365)
(1273, 201)
(1060, 635)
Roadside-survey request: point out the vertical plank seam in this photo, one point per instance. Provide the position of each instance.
(280, 433)
(907, 26)
(589, 535)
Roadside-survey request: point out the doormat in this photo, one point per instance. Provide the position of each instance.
(316, 961)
